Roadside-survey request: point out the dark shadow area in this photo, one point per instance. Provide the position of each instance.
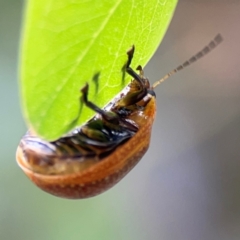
(95, 80)
(123, 74)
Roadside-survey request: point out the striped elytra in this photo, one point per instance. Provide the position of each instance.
(94, 157)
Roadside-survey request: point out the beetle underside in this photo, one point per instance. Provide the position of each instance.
(95, 140)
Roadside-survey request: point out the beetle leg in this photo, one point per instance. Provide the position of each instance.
(133, 96)
(141, 72)
(130, 71)
(130, 54)
(108, 116)
(89, 104)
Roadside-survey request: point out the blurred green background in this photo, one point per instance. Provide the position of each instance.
(187, 187)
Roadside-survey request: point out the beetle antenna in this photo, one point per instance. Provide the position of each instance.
(218, 39)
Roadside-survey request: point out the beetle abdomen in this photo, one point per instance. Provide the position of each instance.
(103, 174)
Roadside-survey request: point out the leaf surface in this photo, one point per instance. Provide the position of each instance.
(70, 42)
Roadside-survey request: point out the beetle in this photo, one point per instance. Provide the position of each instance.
(94, 157)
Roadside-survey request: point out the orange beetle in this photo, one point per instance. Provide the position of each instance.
(96, 156)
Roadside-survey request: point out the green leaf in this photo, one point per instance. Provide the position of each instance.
(68, 43)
